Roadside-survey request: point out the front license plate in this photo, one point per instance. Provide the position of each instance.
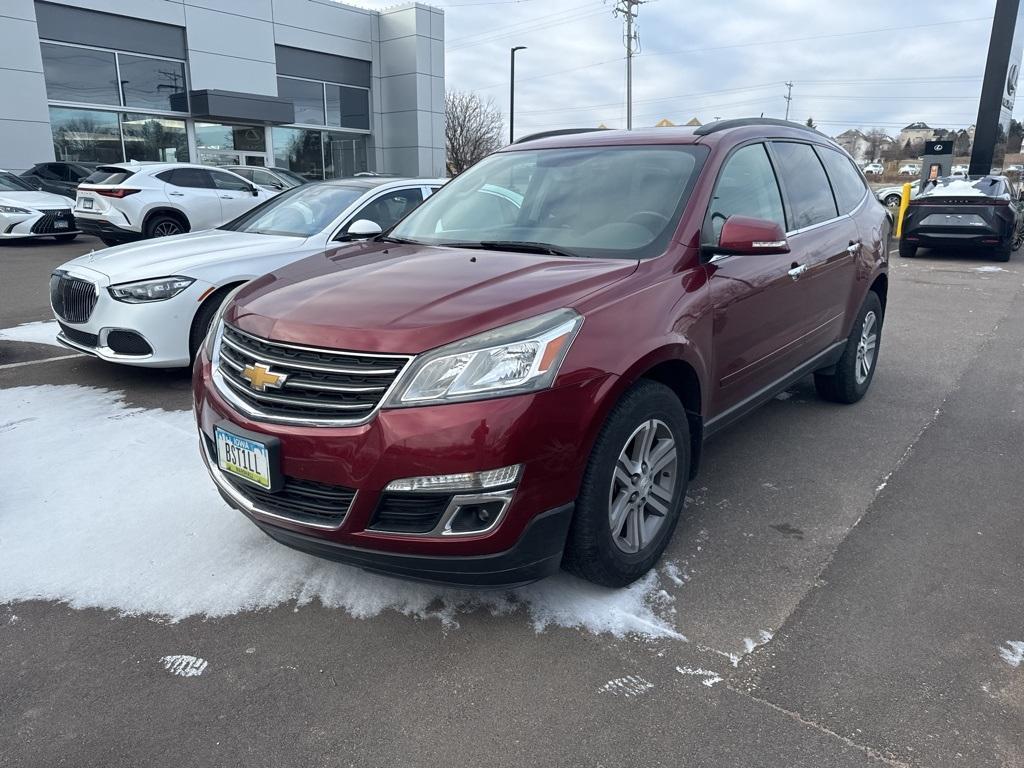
(60, 224)
(243, 457)
(87, 203)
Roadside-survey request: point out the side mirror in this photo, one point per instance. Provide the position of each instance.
(361, 229)
(747, 236)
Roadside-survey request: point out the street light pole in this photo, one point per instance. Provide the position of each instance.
(512, 95)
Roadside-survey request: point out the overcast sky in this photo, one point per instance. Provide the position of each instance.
(915, 60)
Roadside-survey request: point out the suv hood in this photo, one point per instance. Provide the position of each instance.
(405, 299)
(186, 254)
(30, 199)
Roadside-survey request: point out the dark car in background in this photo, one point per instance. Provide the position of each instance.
(982, 212)
(59, 177)
(521, 373)
(270, 179)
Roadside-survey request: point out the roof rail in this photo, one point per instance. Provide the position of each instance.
(740, 122)
(558, 132)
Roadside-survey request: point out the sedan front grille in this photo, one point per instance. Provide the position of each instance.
(72, 299)
(47, 224)
(323, 386)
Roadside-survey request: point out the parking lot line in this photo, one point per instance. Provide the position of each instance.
(37, 362)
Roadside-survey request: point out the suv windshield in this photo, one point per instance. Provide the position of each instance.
(299, 212)
(11, 183)
(617, 202)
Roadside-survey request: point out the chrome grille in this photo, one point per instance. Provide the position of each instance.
(72, 299)
(322, 385)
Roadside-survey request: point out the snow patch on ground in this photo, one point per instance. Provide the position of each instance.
(990, 269)
(35, 333)
(628, 686)
(1013, 653)
(135, 525)
(184, 666)
(710, 677)
(749, 643)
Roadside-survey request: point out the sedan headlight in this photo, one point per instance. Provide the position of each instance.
(144, 291)
(521, 357)
(12, 209)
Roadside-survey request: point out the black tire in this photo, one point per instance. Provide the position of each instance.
(590, 550)
(65, 238)
(109, 241)
(907, 250)
(165, 225)
(203, 318)
(1002, 253)
(841, 385)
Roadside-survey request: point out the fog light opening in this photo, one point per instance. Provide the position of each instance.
(475, 517)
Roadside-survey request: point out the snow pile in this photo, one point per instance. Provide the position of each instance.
(35, 333)
(184, 666)
(109, 506)
(1013, 653)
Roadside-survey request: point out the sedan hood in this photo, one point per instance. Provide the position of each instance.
(184, 254)
(406, 299)
(35, 200)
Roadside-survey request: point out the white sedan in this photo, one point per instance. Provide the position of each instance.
(26, 212)
(151, 303)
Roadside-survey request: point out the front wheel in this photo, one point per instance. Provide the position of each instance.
(893, 201)
(852, 376)
(633, 488)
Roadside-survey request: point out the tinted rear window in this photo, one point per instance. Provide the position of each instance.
(109, 175)
(846, 181)
(807, 189)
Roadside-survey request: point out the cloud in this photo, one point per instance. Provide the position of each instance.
(708, 58)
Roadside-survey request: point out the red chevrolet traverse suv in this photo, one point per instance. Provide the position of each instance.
(522, 372)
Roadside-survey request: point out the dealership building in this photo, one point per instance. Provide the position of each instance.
(320, 87)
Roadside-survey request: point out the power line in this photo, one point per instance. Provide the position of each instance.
(535, 22)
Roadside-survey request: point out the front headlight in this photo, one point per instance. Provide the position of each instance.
(12, 209)
(521, 357)
(144, 291)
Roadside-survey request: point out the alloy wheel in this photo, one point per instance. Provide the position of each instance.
(866, 348)
(643, 486)
(166, 229)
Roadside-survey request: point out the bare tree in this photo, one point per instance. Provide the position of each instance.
(473, 129)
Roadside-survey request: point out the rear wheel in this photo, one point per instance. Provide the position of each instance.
(65, 238)
(907, 250)
(633, 488)
(1002, 253)
(163, 225)
(852, 376)
(109, 241)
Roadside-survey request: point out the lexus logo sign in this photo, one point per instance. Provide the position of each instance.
(938, 147)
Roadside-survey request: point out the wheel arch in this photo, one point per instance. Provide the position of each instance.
(166, 211)
(881, 287)
(215, 295)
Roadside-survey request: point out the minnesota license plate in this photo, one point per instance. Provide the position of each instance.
(244, 458)
(60, 224)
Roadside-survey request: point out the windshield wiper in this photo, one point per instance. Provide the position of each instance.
(400, 240)
(525, 246)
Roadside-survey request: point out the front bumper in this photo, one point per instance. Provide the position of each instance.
(37, 223)
(163, 325)
(543, 431)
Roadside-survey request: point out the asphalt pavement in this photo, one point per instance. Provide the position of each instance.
(846, 578)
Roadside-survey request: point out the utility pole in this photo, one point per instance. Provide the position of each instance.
(629, 9)
(789, 96)
(512, 95)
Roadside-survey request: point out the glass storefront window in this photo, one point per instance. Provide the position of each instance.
(344, 153)
(147, 137)
(308, 99)
(348, 107)
(153, 83)
(79, 74)
(245, 138)
(85, 135)
(299, 150)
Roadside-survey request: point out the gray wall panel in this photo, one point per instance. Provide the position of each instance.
(86, 27)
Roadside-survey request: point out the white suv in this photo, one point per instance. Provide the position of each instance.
(130, 201)
(874, 169)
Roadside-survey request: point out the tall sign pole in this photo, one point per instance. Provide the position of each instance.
(512, 96)
(999, 89)
(629, 9)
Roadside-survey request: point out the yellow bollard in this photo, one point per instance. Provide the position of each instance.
(904, 202)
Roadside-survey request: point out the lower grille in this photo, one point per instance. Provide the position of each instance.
(321, 385)
(47, 225)
(303, 501)
(72, 298)
(79, 337)
(128, 343)
(409, 512)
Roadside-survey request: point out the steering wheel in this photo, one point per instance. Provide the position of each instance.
(652, 220)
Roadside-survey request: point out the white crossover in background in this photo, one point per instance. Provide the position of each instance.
(27, 212)
(122, 202)
(151, 303)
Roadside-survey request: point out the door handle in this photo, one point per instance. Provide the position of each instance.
(854, 248)
(226, 197)
(176, 194)
(797, 270)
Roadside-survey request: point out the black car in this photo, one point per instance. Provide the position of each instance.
(982, 212)
(59, 177)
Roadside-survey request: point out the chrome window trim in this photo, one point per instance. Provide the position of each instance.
(227, 487)
(819, 224)
(225, 390)
(443, 527)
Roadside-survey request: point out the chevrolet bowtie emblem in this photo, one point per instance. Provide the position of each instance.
(260, 377)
